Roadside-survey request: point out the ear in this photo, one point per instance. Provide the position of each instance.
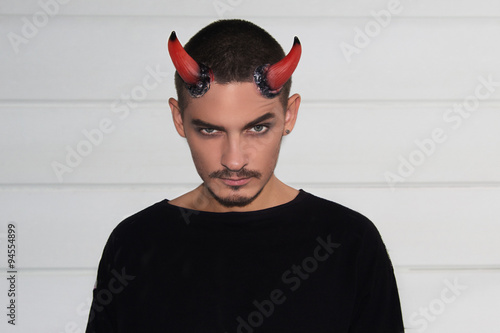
(291, 112)
(177, 116)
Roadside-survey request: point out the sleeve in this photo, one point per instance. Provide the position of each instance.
(102, 312)
(377, 308)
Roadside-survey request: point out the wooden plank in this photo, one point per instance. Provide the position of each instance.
(446, 301)
(106, 58)
(41, 294)
(250, 9)
(431, 227)
(388, 145)
(473, 294)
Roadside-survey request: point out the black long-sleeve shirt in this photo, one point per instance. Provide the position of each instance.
(308, 266)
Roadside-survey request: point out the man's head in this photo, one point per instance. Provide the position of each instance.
(233, 131)
(232, 49)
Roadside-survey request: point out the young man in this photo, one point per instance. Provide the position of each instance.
(243, 252)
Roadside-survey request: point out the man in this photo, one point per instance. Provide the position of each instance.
(243, 252)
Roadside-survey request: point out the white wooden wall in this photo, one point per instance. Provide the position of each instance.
(73, 67)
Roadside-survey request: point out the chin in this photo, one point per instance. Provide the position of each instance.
(234, 196)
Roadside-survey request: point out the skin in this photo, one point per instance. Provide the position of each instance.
(234, 132)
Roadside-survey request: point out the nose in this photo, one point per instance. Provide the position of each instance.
(234, 156)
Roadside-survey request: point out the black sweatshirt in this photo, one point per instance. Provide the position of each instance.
(309, 266)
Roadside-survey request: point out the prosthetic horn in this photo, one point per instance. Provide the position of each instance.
(196, 76)
(268, 78)
(271, 78)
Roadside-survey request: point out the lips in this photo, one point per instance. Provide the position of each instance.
(235, 181)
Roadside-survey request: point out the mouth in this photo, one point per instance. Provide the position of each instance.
(235, 181)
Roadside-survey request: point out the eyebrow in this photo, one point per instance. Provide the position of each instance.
(201, 123)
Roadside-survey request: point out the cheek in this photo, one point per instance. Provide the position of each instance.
(204, 154)
(263, 151)
(273, 152)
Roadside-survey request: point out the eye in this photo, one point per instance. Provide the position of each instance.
(259, 128)
(207, 131)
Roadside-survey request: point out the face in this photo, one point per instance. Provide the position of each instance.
(234, 135)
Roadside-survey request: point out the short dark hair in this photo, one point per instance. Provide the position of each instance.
(233, 49)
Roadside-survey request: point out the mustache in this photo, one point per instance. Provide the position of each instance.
(243, 173)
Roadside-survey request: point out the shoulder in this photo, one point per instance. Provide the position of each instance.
(151, 220)
(144, 233)
(336, 213)
(353, 230)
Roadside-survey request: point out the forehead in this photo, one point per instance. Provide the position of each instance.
(232, 103)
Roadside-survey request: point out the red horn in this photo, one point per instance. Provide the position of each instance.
(270, 79)
(196, 76)
(280, 72)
